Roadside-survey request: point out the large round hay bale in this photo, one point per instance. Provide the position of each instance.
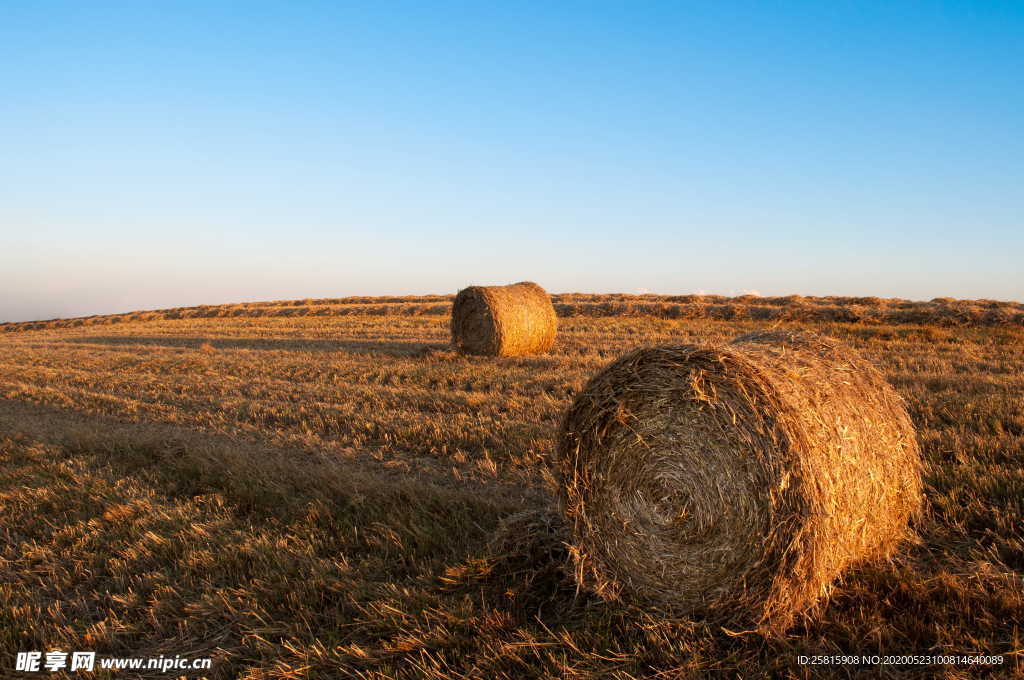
(503, 320)
(735, 482)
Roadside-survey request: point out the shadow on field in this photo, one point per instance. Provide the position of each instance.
(409, 521)
(398, 348)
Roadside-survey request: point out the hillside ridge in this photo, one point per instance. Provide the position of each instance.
(847, 309)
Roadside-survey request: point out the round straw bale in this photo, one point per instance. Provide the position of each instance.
(735, 482)
(503, 320)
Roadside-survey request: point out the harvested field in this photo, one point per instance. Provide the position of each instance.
(339, 494)
(946, 312)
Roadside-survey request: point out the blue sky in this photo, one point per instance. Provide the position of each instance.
(177, 153)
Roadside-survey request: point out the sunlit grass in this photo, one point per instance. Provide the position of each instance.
(315, 495)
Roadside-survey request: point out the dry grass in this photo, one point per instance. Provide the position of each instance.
(321, 497)
(945, 312)
(735, 481)
(503, 321)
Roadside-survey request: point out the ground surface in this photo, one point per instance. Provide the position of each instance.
(317, 489)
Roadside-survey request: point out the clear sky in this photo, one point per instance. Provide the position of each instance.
(179, 153)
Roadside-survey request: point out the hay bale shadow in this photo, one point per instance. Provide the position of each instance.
(526, 568)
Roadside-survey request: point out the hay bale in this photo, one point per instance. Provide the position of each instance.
(503, 320)
(735, 482)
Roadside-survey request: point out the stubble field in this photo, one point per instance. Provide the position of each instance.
(327, 492)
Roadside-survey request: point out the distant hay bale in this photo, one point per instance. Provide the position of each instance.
(735, 482)
(503, 320)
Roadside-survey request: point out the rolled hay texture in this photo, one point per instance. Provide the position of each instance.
(503, 320)
(735, 482)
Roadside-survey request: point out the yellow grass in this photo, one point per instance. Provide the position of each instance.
(316, 494)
